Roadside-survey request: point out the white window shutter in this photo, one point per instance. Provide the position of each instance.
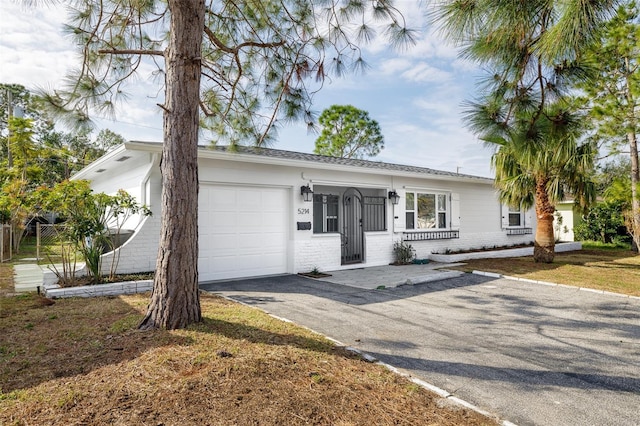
(398, 211)
(455, 210)
(528, 218)
(504, 210)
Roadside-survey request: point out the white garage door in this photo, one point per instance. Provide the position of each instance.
(243, 231)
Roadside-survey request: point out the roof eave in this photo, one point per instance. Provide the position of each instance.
(206, 153)
(98, 163)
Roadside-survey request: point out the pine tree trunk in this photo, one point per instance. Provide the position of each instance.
(544, 246)
(635, 197)
(635, 167)
(175, 300)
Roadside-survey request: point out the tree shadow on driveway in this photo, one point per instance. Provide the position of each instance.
(538, 354)
(531, 379)
(295, 284)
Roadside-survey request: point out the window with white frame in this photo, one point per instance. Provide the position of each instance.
(427, 210)
(515, 217)
(325, 213)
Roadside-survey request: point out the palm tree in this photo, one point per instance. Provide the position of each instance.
(539, 165)
(532, 51)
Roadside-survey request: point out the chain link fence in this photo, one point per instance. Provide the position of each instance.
(49, 239)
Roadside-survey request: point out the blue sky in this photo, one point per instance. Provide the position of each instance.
(415, 95)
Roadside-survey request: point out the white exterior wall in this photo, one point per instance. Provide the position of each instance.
(130, 176)
(139, 253)
(480, 223)
(378, 248)
(140, 177)
(320, 251)
(568, 222)
(466, 241)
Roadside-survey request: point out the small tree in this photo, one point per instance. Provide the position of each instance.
(29, 144)
(92, 221)
(14, 98)
(16, 204)
(348, 132)
(108, 139)
(603, 223)
(21, 144)
(621, 193)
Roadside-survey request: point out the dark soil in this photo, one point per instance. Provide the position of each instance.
(314, 274)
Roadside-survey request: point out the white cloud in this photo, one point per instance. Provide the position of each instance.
(431, 45)
(32, 48)
(464, 66)
(394, 65)
(426, 147)
(423, 72)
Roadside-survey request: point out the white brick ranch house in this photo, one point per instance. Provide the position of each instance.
(265, 211)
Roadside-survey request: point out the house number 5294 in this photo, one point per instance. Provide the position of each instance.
(303, 211)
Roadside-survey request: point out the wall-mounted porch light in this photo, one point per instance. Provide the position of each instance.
(394, 197)
(307, 193)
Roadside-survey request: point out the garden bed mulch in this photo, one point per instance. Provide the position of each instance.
(314, 274)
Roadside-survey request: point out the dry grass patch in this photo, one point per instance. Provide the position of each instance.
(82, 361)
(6, 280)
(615, 270)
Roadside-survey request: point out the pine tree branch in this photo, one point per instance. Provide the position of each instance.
(131, 52)
(234, 50)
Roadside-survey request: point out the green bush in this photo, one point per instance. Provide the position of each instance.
(603, 223)
(404, 252)
(93, 222)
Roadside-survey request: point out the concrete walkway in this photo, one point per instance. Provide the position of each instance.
(27, 277)
(388, 276)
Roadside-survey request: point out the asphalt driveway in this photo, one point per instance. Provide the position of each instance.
(529, 353)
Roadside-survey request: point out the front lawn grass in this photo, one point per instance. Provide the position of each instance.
(601, 268)
(6, 281)
(82, 361)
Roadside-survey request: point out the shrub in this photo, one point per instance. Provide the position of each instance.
(93, 223)
(604, 223)
(404, 252)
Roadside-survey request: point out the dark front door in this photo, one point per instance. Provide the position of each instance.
(353, 236)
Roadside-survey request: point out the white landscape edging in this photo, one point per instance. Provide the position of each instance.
(54, 291)
(550, 284)
(496, 254)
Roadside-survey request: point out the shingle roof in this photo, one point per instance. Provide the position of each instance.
(351, 162)
(279, 154)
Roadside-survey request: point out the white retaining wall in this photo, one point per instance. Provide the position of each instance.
(469, 241)
(114, 289)
(497, 254)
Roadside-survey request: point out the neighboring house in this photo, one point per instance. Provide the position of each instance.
(569, 218)
(265, 211)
